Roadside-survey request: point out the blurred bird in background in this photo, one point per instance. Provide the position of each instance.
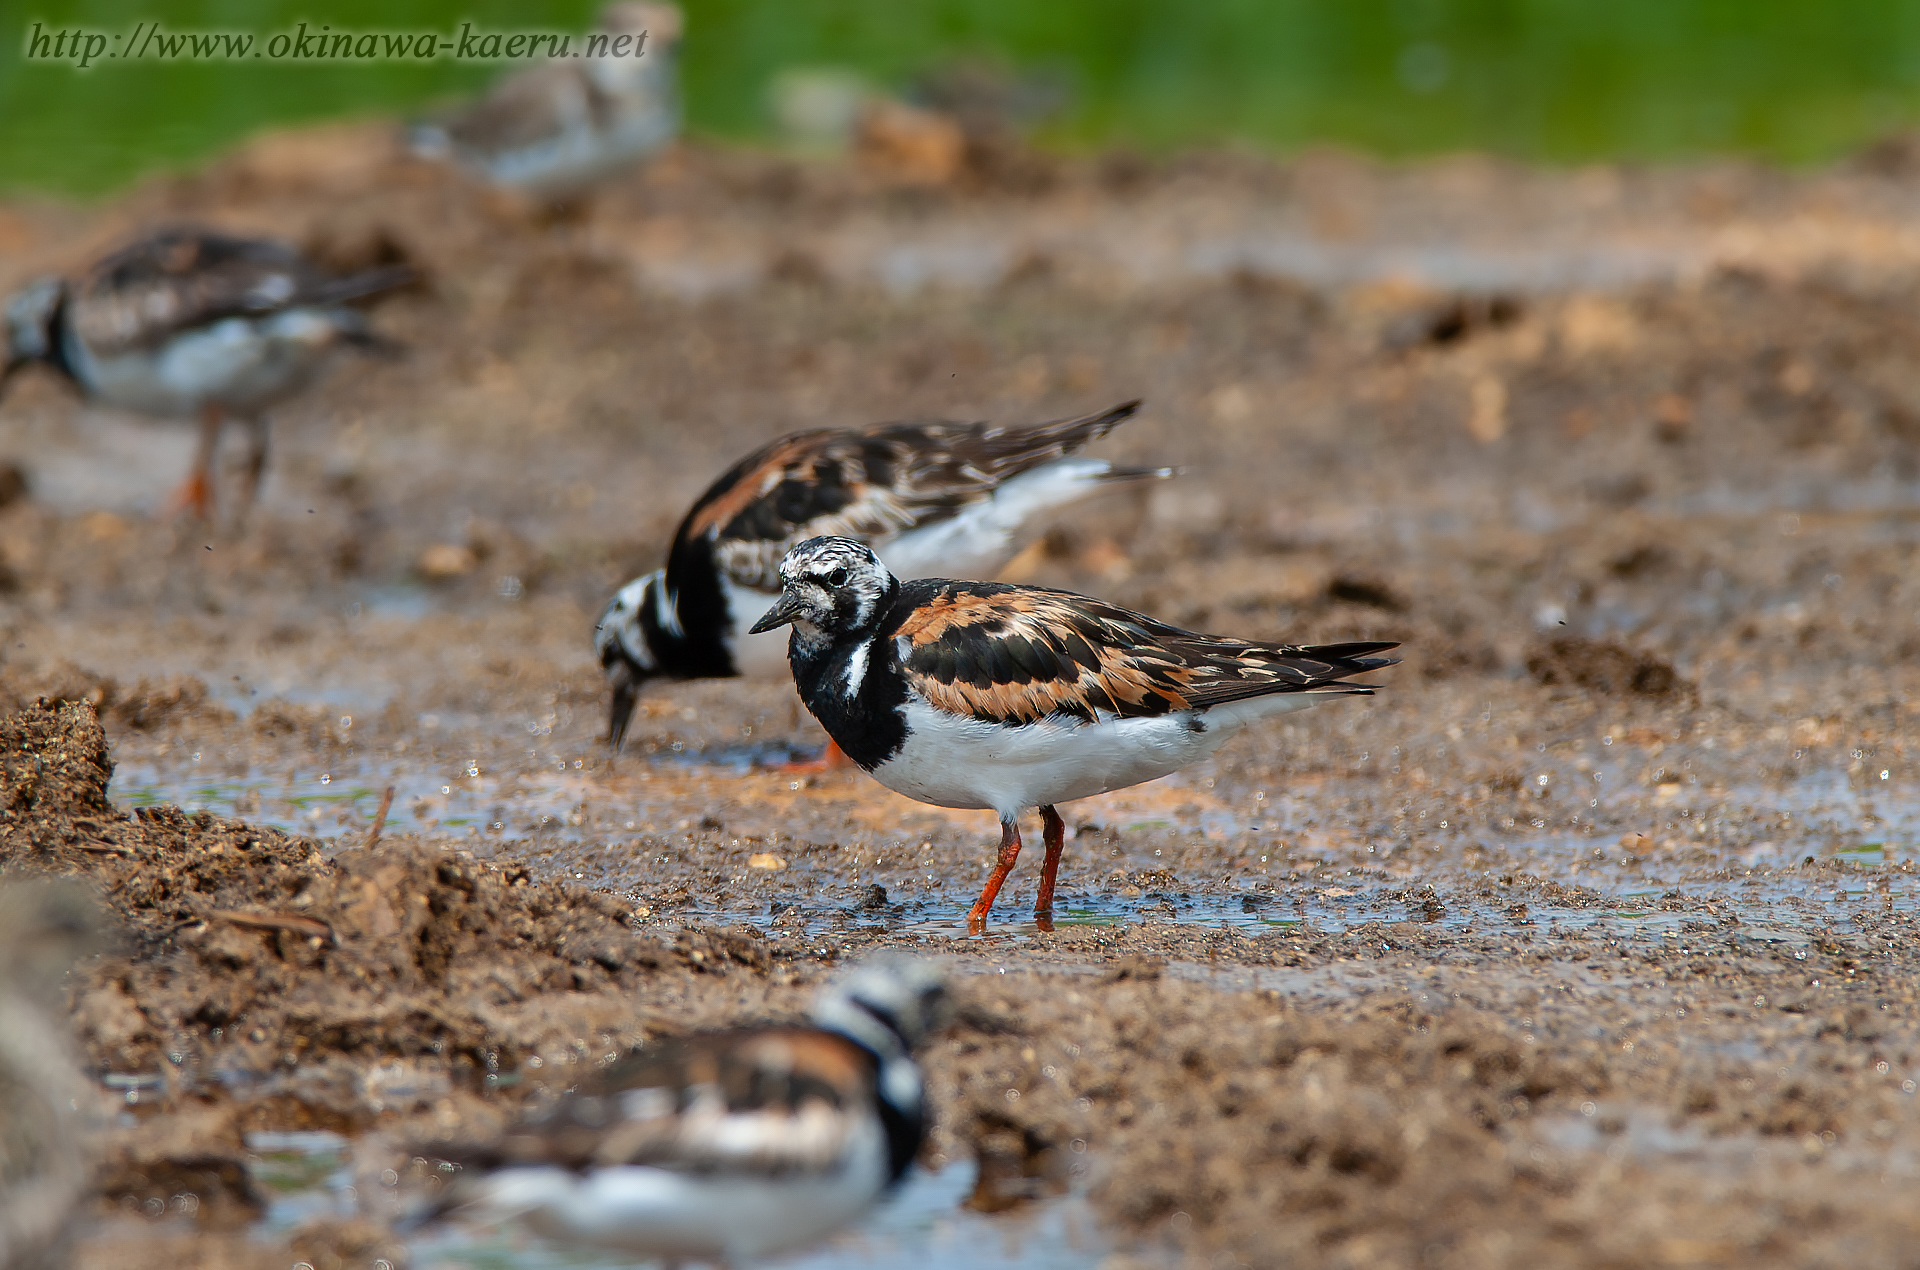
(192, 322)
(553, 131)
(930, 496)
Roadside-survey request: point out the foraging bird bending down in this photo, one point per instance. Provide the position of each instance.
(1002, 697)
(551, 131)
(729, 1144)
(928, 496)
(192, 322)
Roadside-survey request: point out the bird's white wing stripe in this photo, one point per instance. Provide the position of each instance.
(979, 539)
(856, 670)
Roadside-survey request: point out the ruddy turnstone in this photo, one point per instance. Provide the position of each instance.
(555, 129)
(188, 321)
(729, 1144)
(1003, 697)
(930, 495)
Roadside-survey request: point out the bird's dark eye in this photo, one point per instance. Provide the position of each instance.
(837, 578)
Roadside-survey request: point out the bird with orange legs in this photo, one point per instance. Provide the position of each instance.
(1010, 698)
(933, 495)
(190, 323)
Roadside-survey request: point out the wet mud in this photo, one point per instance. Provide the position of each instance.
(1587, 942)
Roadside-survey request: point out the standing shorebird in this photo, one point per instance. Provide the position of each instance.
(553, 130)
(1007, 698)
(191, 322)
(935, 495)
(732, 1144)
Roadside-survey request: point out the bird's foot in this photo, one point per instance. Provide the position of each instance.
(833, 758)
(194, 498)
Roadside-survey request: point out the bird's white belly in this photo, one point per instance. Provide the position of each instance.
(717, 1214)
(573, 160)
(954, 762)
(577, 151)
(239, 364)
(977, 541)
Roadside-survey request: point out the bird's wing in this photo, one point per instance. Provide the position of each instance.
(868, 484)
(535, 105)
(1009, 654)
(762, 1100)
(176, 280)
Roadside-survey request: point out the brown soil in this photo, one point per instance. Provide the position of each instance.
(1602, 667)
(252, 965)
(1587, 942)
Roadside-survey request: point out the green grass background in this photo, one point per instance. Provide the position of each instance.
(1554, 80)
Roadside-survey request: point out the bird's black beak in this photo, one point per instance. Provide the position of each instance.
(785, 610)
(621, 714)
(626, 693)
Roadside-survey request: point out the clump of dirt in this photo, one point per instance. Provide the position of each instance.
(1604, 667)
(148, 705)
(1241, 1123)
(1447, 1122)
(392, 951)
(258, 982)
(53, 768)
(1360, 589)
(1302, 1121)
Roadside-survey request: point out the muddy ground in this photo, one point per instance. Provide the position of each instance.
(1585, 943)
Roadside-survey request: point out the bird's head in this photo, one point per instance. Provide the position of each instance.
(31, 316)
(626, 654)
(829, 588)
(888, 1004)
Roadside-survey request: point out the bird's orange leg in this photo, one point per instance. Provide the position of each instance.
(1055, 836)
(831, 759)
(196, 495)
(1009, 852)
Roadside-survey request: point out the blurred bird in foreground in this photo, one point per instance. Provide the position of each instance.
(44, 1175)
(555, 129)
(930, 496)
(191, 322)
(731, 1144)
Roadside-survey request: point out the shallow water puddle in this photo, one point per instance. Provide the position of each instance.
(341, 807)
(1767, 909)
(304, 1173)
(591, 823)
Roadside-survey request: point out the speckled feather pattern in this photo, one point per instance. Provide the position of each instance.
(869, 484)
(183, 279)
(766, 1100)
(726, 1145)
(1011, 654)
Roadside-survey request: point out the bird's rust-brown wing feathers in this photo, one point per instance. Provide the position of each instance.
(176, 280)
(770, 1100)
(1010, 654)
(868, 484)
